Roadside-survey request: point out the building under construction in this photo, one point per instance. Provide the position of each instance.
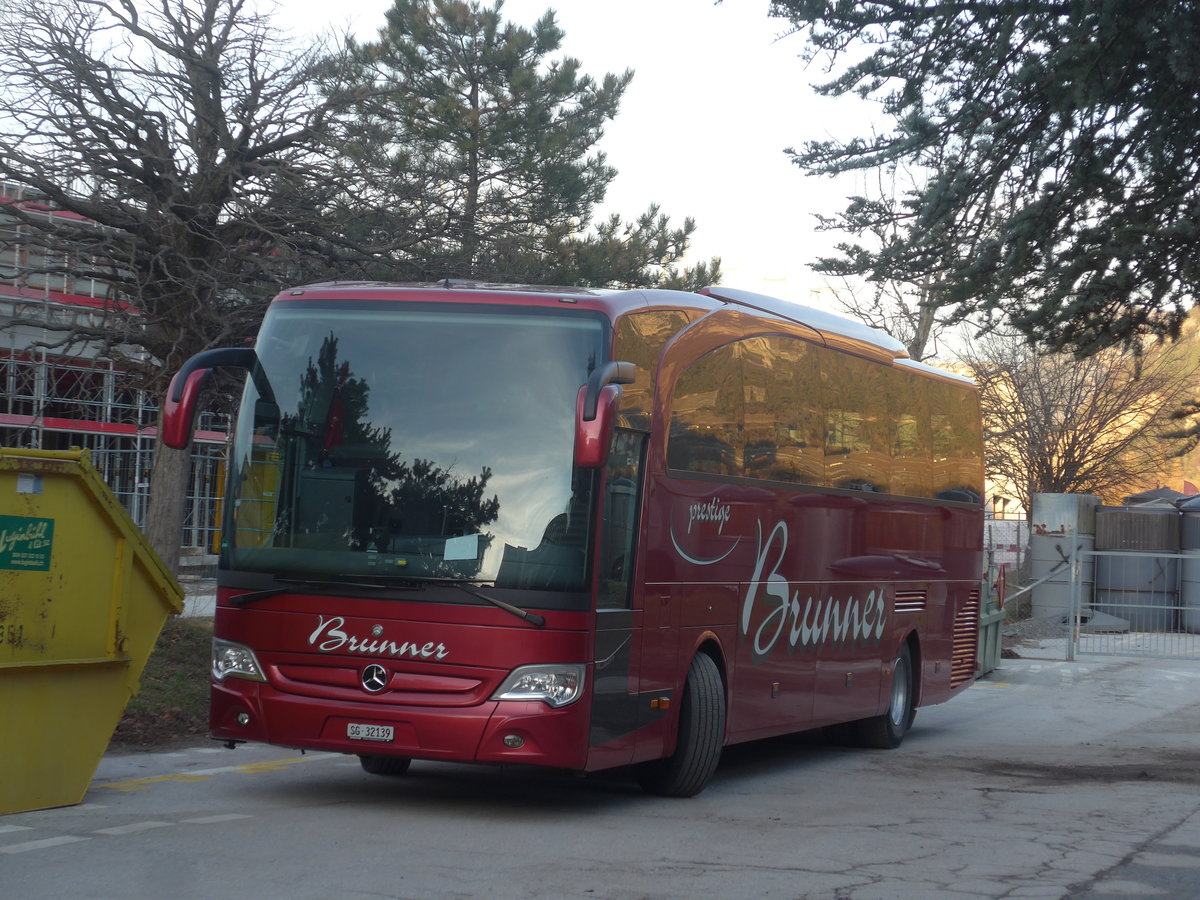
(61, 393)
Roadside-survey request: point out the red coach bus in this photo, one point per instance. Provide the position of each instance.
(585, 529)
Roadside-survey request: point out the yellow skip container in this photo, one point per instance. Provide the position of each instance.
(82, 601)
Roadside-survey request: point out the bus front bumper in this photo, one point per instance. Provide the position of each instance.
(524, 732)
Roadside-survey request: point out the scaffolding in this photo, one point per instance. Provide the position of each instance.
(53, 403)
(78, 398)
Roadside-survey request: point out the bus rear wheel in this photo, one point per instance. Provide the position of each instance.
(701, 736)
(384, 765)
(885, 732)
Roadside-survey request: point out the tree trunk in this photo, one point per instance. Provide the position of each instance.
(168, 502)
(470, 240)
(923, 327)
(925, 320)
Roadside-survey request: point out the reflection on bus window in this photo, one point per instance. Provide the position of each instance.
(956, 444)
(783, 438)
(912, 469)
(706, 419)
(619, 525)
(416, 441)
(781, 409)
(640, 338)
(857, 451)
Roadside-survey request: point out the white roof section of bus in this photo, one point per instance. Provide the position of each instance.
(934, 371)
(818, 320)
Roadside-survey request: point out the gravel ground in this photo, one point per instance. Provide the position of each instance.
(1013, 634)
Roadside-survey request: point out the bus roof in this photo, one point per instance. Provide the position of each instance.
(828, 324)
(935, 372)
(835, 330)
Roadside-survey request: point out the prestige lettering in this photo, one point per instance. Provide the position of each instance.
(712, 511)
(829, 621)
(330, 636)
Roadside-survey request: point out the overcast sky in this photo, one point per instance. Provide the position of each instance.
(715, 99)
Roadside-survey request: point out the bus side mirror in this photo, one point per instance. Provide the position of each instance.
(179, 406)
(593, 435)
(596, 410)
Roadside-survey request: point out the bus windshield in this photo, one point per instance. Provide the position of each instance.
(415, 442)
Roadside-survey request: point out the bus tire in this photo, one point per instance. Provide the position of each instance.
(886, 731)
(701, 736)
(384, 765)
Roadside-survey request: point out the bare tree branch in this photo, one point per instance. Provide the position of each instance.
(1054, 423)
(182, 155)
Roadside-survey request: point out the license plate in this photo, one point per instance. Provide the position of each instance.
(357, 731)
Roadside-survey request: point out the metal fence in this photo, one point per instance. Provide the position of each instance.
(1134, 603)
(124, 463)
(1007, 543)
(54, 403)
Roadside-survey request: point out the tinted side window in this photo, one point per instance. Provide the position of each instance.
(857, 423)
(706, 416)
(640, 338)
(956, 443)
(781, 409)
(912, 473)
(618, 535)
(783, 435)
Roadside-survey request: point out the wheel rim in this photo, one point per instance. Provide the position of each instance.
(898, 712)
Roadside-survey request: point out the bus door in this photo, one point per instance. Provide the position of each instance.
(615, 696)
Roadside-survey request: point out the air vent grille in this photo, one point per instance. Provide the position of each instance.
(966, 641)
(911, 601)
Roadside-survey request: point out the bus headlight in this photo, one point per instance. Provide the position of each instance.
(230, 660)
(554, 685)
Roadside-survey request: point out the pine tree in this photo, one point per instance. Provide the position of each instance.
(1059, 139)
(488, 144)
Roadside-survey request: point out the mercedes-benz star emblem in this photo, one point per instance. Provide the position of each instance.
(374, 678)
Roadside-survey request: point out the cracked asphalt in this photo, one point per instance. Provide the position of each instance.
(1046, 780)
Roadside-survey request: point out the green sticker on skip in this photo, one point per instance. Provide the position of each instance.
(25, 543)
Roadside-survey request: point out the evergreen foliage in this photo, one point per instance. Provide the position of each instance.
(486, 141)
(191, 161)
(1059, 138)
(332, 418)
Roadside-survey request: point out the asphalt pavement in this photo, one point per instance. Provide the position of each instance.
(1047, 779)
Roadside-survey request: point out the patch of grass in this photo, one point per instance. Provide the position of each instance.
(172, 706)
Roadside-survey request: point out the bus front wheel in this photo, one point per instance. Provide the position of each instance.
(701, 736)
(384, 765)
(888, 730)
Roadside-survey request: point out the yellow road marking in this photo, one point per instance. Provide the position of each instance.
(254, 768)
(274, 765)
(140, 784)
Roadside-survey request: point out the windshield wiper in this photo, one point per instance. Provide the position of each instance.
(395, 581)
(467, 585)
(252, 596)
